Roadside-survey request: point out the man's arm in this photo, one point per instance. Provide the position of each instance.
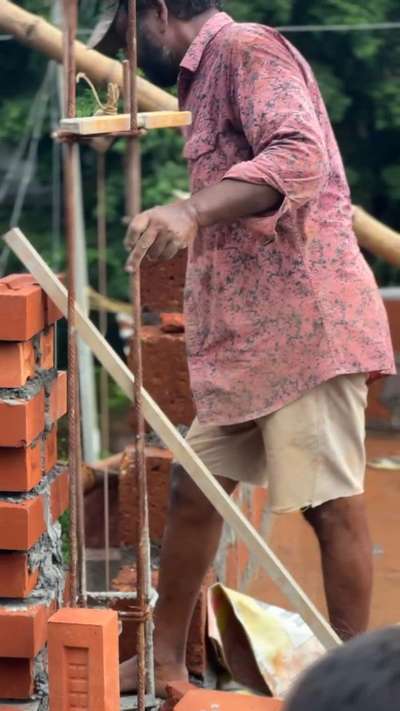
(170, 228)
(274, 109)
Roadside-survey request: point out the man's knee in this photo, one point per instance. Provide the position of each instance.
(186, 499)
(339, 515)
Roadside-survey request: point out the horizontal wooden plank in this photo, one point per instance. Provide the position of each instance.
(95, 125)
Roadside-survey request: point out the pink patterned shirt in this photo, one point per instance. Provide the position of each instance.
(275, 304)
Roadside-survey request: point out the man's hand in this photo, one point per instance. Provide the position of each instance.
(161, 232)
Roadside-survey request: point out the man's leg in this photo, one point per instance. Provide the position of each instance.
(341, 527)
(190, 544)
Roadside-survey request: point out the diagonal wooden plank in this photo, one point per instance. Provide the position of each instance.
(266, 558)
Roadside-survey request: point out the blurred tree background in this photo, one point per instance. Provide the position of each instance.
(359, 76)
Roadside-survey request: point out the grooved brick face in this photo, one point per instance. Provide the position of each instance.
(83, 660)
(22, 524)
(166, 375)
(17, 363)
(163, 283)
(21, 421)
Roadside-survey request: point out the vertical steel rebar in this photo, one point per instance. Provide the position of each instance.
(103, 324)
(102, 287)
(143, 562)
(77, 521)
(132, 59)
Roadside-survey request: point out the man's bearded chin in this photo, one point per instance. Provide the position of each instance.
(158, 63)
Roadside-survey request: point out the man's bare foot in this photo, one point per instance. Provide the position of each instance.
(165, 673)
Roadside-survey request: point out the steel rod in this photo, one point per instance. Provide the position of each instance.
(70, 25)
(144, 635)
(132, 59)
(102, 287)
(107, 529)
(103, 324)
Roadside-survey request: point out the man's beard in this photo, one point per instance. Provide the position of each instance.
(158, 63)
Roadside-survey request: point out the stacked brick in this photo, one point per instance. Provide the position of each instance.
(33, 487)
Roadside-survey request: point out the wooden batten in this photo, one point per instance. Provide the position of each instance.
(121, 123)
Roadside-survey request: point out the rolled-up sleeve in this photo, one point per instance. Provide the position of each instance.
(274, 107)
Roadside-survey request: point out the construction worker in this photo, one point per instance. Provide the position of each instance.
(284, 322)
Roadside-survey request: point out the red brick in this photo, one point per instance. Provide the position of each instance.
(16, 580)
(20, 468)
(163, 284)
(83, 660)
(21, 421)
(57, 398)
(16, 681)
(17, 363)
(53, 314)
(166, 374)
(59, 497)
(223, 701)
(46, 349)
(50, 449)
(22, 308)
(23, 633)
(172, 323)
(22, 524)
(158, 469)
(176, 690)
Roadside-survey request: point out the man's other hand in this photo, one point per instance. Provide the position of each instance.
(161, 232)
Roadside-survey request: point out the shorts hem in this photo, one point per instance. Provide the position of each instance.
(315, 504)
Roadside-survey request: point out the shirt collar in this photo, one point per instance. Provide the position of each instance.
(193, 56)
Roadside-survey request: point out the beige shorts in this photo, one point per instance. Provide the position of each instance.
(308, 452)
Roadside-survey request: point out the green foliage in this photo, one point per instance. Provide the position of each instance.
(359, 76)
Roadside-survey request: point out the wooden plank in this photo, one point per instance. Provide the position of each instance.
(120, 123)
(33, 262)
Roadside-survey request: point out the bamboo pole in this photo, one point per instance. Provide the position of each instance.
(376, 237)
(35, 32)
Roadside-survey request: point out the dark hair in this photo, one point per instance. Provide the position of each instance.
(362, 675)
(183, 9)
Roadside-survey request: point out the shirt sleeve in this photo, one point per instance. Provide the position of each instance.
(273, 104)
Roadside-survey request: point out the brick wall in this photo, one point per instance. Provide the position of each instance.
(33, 487)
